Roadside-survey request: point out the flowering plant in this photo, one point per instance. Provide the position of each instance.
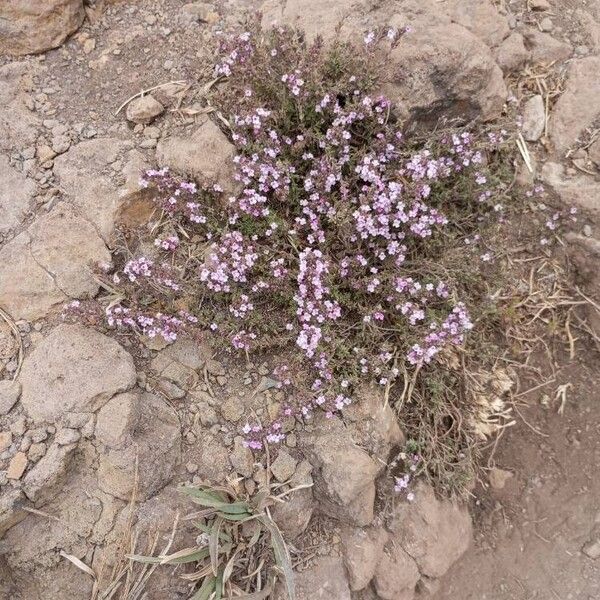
(333, 245)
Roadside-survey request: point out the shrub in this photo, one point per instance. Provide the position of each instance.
(351, 246)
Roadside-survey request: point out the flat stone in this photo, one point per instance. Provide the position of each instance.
(49, 263)
(17, 466)
(9, 394)
(534, 118)
(73, 369)
(592, 549)
(498, 478)
(511, 54)
(16, 193)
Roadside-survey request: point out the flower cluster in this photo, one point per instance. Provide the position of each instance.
(329, 245)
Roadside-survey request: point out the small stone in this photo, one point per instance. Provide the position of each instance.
(232, 409)
(241, 458)
(283, 466)
(19, 426)
(45, 153)
(592, 548)
(291, 441)
(150, 19)
(168, 65)
(89, 45)
(498, 478)
(67, 436)
(25, 444)
(534, 118)
(152, 132)
(17, 466)
(36, 451)
(546, 24)
(117, 420)
(170, 390)
(144, 109)
(38, 435)
(9, 394)
(191, 467)
(539, 5)
(587, 230)
(5, 440)
(148, 144)
(208, 415)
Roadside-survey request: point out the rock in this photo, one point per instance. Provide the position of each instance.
(200, 11)
(577, 108)
(345, 476)
(208, 415)
(5, 440)
(17, 466)
(49, 263)
(546, 24)
(498, 478)
(66, 436)
(117, 420)
(445, 71)
(11, 513)
(241, 458)
(284, 466)
(9, 394)
(539, 5)
(17, 123)
(592, 548)
(170, 390)
(578, 190)
(232, 409)
(29, 28)
(36, 451)
(481, 18)
(15, 195)
(396, 575)
(325, 579)
(594, 152)
(511, 54)
(534, 118)
(73, 369)
(144, 109)
(45, 479)
(362, 550)
(85, 173)
(293, 516)
(156, 449)
(435, 533)
(179, 362)
(212, 458)
(207, 155)
(544, 48)
(374, 423)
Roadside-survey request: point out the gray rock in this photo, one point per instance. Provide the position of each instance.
(241, 458)
(534, 118)
(73, 369)
(66, 436)
(511, 54)
(9, 394)
(362, 550)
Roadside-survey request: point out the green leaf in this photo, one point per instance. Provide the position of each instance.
(212, 500)
(184, 556)
(282, 556)
(206, 589)
(213, 544)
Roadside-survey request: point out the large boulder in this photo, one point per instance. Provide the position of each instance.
(206, 155)
(73, 369)
(578, 107)
(49, 263)
(32, 26)
(99, 176)
(444, 70)
(15, 195)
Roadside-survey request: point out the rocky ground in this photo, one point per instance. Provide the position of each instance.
(86, 419)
